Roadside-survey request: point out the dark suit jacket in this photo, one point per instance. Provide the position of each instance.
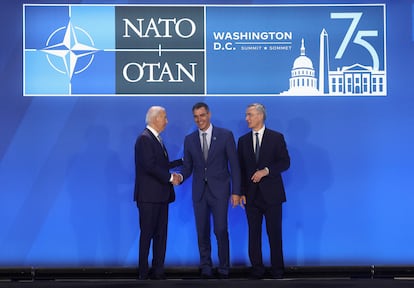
(221, 155)
(152, 179)
(273, 155)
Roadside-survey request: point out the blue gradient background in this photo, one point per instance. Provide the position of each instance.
(67, 171)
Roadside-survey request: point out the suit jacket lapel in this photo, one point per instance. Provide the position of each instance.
(213, 145)
(250, 147)
(264, 142)
(161, 144)
(197, 143)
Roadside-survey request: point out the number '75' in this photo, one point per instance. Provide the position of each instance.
(358, 37)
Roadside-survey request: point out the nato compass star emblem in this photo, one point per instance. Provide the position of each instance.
(70, 55)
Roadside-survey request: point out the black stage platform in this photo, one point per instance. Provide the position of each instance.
(229, 283)
(295, 277)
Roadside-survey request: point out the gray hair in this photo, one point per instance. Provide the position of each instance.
(152, 113)
(259, 108)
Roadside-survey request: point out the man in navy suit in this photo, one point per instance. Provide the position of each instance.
(208, 153)
(153, 192)
(263, 157)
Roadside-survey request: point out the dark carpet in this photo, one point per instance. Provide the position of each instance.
(213, 283)
(295, 277)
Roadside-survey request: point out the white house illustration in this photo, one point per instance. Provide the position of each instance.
(356, 79)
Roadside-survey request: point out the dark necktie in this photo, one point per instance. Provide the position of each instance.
(257, 147)
(162, 144)
(205, 146)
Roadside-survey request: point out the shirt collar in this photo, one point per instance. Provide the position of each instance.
(208, 131)
(153, 131)
(261, 131)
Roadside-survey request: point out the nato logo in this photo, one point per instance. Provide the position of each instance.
(67, 51)
(94, 50)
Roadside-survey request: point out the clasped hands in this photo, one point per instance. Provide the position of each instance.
(176, 179)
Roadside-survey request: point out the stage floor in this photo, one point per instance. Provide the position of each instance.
(213, 283)
(295, 277)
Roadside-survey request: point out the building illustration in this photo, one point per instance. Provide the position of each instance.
(302, 80)
(354, 80)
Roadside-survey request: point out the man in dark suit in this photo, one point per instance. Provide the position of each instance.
(153, 192)
(208, 153)
(263, 157)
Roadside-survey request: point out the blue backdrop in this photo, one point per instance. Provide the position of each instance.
(67, 170)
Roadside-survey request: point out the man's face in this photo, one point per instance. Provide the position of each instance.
(161, 121)
(254, 118)
(202, 118)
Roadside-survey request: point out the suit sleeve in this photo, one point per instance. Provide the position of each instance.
(282, 160)
(243, 184)
(176, 163)
(233, 158)
(187, 166)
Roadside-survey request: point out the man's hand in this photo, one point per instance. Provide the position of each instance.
(242, 201)
(259, 174)
(235, 200)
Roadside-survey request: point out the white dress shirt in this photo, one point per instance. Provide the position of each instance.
(261, 132)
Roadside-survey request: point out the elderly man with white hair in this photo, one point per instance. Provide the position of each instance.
(153, 192)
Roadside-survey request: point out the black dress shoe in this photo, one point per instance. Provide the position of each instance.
(222, 276)
(143, 277)
(276, 275)
(255, 276)
(206, 276)
(158, 277)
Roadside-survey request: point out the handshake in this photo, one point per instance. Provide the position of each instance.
(176, 179)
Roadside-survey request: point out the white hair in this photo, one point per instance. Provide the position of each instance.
(259, 108)
(152, 113)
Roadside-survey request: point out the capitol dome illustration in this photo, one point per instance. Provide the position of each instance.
(302, 80)
(302, 63)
